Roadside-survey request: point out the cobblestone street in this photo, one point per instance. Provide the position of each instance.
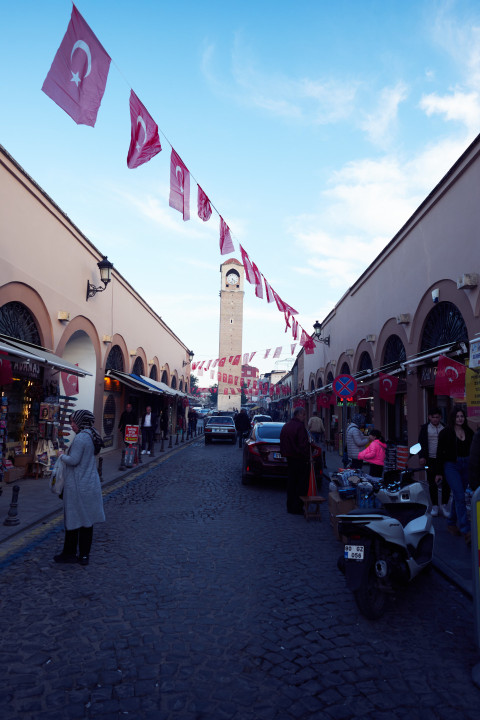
(205, 600)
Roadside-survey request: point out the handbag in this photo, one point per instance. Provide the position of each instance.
(57, 478)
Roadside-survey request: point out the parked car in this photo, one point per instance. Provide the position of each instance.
(262, 456)
(261, 418)
(220, 427)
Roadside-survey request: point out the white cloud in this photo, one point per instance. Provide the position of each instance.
(458, 105)
(308, 100)
(380, 124)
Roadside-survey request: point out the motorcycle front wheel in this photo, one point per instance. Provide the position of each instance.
(371, 601)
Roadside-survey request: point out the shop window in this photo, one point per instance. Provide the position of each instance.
(394, 351)
(138, 367)
(153, 372)
(17, 321)
(444, 324)
(115, 359)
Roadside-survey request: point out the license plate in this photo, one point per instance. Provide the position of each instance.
(354, 552)
(278, 456)
(220, 430)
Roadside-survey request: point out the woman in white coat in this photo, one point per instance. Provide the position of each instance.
(82, 492)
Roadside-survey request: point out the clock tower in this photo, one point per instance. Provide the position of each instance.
(231, 329)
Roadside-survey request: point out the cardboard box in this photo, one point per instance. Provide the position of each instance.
(337, 506)
(14, 474)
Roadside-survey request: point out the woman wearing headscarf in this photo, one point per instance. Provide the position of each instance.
(82, 492)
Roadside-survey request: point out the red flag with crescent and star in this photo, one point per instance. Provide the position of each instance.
(388, 387)
(450, 378)
(145, 141)
(203, 205)
(5, 370)
(78, 75)
(70, 384)
(226, 244)
(179, 185)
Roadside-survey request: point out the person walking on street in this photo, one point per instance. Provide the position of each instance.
(149, 424)
(82, 492)
(453, 453)
(356, 440)
(295, 446)
(242, 425)
(428, 439)
(316, 427)
(127, 417)
(164, 424)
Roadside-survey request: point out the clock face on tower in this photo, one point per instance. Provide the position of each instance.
(233, 278)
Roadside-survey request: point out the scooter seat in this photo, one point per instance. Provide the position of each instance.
(368, 511)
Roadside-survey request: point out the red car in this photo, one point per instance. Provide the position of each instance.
(262, 456)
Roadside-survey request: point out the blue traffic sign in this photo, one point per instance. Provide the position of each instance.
(344, 386)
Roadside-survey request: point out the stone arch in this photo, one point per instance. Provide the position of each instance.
(80, 344)
(166, 374)
(27, 296)
(120, 342)
(138, 367)
(115, 359)
(448, 294)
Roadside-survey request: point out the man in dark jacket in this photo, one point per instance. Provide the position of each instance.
(295, 446)
(242, 425)
(127, 417)
(428, 439)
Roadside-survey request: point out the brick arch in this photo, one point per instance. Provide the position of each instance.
(391, 327)
(448, 293)
(20, 292)
(119, 340)
(139, 354)
(362, 347)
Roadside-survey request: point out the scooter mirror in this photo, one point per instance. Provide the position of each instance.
(415, 449)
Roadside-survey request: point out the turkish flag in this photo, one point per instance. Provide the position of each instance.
(230, 379)
(388, 387)
(269, 291)
(5, 370)
(267, 353)
(221, 362)
(70, 384)
(224, 379)
(293, 346)
(245, 359)
(236, 360)
(251, 356)
(294, 329)
(252, 273)
(77, 78)
(278, 352)
(179, 186)
(450, 378)
(323, 401)
(145, 142)
(226, 244)
(203, 205)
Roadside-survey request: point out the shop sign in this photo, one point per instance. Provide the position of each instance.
(472, 389)
(26, 369)
(474, 354)
(132, 433)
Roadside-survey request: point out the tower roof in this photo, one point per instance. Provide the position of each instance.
(232, 261)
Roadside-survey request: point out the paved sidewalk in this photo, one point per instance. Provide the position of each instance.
(38, 507)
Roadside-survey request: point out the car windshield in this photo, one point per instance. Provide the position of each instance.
(262, 418)
(269, 431)
(220, 420)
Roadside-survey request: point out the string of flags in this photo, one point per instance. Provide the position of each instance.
(76, 82)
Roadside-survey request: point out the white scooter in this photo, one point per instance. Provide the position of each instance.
(387, 547)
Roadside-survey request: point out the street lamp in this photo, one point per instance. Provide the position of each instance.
(190, 356)
(105, 267)
(317, 331)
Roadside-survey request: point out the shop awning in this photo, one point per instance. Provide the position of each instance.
(160, 386)
(134, 382)
(19, 351)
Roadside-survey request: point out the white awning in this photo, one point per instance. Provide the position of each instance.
(162, 386)
(17, 350)
(133, 383)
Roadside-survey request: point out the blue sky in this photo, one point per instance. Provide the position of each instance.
(316, 128)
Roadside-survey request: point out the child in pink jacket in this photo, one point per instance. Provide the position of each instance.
(375, 453)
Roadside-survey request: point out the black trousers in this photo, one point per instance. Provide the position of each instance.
(80, 538)
(297, 483)
(147, 438)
